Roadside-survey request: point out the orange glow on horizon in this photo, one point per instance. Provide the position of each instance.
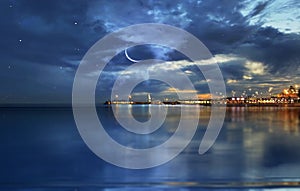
(204, 96)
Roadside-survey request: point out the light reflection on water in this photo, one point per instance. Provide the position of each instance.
(42, 146)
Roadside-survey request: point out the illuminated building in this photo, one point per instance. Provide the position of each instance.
(290, 95)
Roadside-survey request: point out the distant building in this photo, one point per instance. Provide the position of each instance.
(149, 98)
(289, 95)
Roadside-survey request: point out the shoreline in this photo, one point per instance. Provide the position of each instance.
(148, 104)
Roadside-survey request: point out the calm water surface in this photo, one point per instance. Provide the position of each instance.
(41, 149)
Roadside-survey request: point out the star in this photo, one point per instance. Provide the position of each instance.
(75, 23)
(20, 40)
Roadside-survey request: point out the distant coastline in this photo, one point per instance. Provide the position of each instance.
(4, 106)
(208, 103)
(287, 98)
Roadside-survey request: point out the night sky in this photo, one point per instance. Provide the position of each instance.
(256, 43)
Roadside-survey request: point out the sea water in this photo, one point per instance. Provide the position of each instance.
(258, 147)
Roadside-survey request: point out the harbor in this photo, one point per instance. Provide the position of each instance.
(289, 97)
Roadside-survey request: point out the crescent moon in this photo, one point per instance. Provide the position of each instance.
(127, 56)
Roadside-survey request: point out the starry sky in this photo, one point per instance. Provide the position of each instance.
(255, 42)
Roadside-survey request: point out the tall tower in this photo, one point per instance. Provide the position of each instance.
(149, 98)
(130, 99)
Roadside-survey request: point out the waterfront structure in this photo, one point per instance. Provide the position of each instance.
(290, 97)
(287, 96)
(149, 98)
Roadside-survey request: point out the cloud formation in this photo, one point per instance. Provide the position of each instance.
(256, 43)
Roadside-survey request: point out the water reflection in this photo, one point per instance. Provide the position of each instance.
(276, 118)
(270, 143)
(256, 144)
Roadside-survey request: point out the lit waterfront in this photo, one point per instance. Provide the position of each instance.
(288, 97)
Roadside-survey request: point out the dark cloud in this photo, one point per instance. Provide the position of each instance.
(279, 51)
(259, 8)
